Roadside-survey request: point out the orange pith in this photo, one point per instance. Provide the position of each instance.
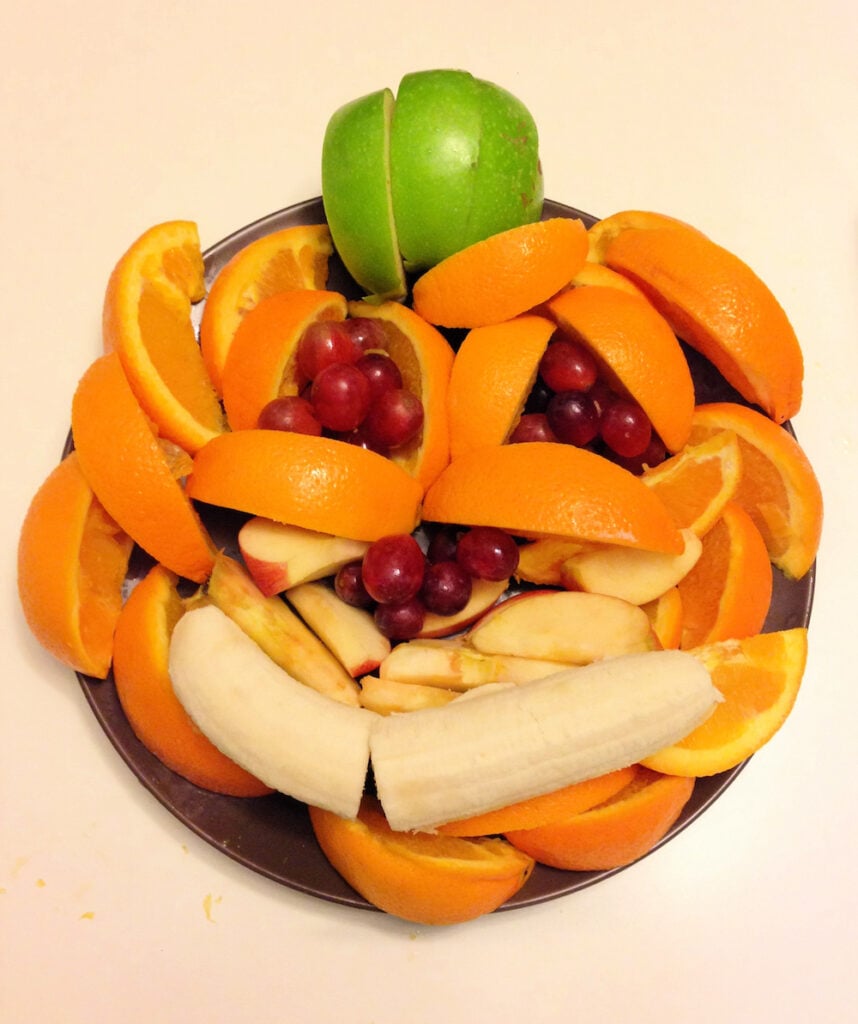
(615, 833)
(727, 593)
(427, 879)
(697, 483)
(777, 487)
(131, 475)
(425, 359)
(493, 373)
(72, 560)
(262, 359)
(321, 484)
(294, 257)
(147, 321)
(604, 231)
(719, 306)
(637, 353)
(502, 276)
(141, 674)
(542, 810)
(542, 488)
(759, 677)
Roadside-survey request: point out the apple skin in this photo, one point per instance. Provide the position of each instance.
(356, 194)
(464, 158)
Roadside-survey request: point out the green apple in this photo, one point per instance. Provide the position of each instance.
(357, 195)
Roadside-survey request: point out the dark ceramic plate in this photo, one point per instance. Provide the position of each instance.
(272, 834)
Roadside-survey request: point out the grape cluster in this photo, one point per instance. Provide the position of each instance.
(400, 584)
(353, 390)
(570, 403)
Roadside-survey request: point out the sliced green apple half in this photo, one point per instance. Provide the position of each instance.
(357, 194)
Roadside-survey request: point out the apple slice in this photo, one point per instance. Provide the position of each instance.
(389, 696)
(541, 561)
(278, 631)
(356, 192)
(279, 556)
(632, 574)
(349, 633)
(455, 665)
(571, 627)
(484, 594)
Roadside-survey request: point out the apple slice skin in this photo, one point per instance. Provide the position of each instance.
(356, 191)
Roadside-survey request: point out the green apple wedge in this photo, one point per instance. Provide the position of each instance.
(434, 151)
(356, 192)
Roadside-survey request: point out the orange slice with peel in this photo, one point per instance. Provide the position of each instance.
(601, 234)
(719, 306)
(147, 321)
(493, 373)
(131, 473)
(502, 276)
(72, 560)
(425, 359)
(541, 810)
(759, 677)
(315, 482)
(777, 487)
(615, 833)
(698, 482)
(262, 361)
(541, 488)
(728, 592)
(637, 354)
(142, 677)
(291, 258)
(420, 877)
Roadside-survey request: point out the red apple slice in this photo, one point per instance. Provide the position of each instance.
(484, 594)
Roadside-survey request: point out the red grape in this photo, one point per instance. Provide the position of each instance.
(400, 621)
(573, 417)
(568, 366)
(393, 568)
(394, 418)
(625, 428)
(323, 343)
(488, 553)
(533, 426)
(348, 585)
(290, 412)
(381, 372)
(653, 455)
(340, 397)
(441, 547)
(366, 332)
(446, 588)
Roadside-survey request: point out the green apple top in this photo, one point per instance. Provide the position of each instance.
(455, 162)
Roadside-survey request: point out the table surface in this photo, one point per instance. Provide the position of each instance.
(739, 118)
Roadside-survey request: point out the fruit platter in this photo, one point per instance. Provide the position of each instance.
(404, 561)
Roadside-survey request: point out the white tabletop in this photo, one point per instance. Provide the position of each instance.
(738, 117)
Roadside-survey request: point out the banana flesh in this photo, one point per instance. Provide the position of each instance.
(436, 764)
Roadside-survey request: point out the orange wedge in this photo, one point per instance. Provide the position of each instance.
(425, 360)
(696, 484)
(502, 276)
(142, 677)
(262, 360)
(132, 474)
(719, 306)
(541, 488)
(615, 833)
(427, 879)
(72, 560)
(294, 257)
(493, 373)
(759, 677)
(321, 484)
(147, 321)
(604, 231)
(637, 354)
(542, 810)
(777, 487)
(727, 593)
